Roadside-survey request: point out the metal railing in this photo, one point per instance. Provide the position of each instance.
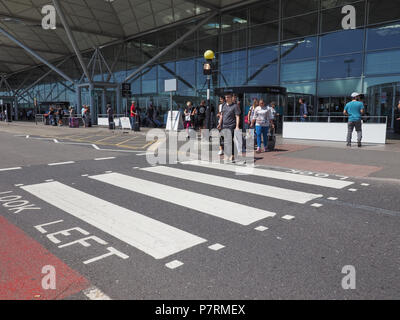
(335, 119)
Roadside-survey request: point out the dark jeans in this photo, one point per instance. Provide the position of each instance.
(229, 148)
(354, 125)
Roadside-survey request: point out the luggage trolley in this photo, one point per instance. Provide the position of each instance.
(247, 94)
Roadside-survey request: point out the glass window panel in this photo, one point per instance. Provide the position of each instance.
(383, 62)
(233, 77)
(297, 7)
(340, 67)
(184, 29)
(332, 19)
(373, 81)
(264, 12)
(234, 21)
(383, 10)
(263, 55)
(342, 87)
(342, 42)
(327, 4)
(211, 28)
(233, 67)
(383, 37)
(300, 26)
(298, 71)
(234, 40)
(186, 71)
(265, 33)
(210, 43)
(166, 37)
(263, 75)
(187, 49)
(165, 71)
(303, 88)
(299, 49)
(149, 86)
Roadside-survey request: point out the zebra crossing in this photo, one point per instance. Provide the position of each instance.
(161, 240)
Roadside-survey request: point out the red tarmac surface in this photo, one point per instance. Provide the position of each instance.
(21, 263)
(278, 159)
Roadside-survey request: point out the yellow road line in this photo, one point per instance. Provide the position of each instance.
(121, 143)
(112, 137)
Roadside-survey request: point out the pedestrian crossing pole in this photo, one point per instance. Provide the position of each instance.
(209, 55)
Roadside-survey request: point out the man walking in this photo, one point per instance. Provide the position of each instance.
(229, 122)
(354, 110)
(133, 115)
(110, 114)
(303, 110)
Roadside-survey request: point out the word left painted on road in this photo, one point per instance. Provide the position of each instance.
(55, 239)
(16, 203)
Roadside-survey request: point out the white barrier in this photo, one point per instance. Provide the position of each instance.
(372, 132)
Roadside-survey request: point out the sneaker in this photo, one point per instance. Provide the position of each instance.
(349, 144)
(360, 145)
(258, 150)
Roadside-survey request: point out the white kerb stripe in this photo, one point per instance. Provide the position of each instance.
(61, 163)
(238, 185)
(153, 237)
(10, 169)
(223, 209)
(322, 182)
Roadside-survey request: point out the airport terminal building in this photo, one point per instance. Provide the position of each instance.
(322, 50)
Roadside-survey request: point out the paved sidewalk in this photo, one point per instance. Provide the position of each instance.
(381, 161)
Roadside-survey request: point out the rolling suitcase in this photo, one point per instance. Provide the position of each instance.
(271, 140)
(74, 123)
(136, 126)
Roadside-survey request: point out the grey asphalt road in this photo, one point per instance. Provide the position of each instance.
(301, 258)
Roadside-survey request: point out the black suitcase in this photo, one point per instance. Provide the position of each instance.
(271, 140)
(136, 126)
(112, 125)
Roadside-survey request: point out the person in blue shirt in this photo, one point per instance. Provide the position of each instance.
(354, 110)
(303, 110)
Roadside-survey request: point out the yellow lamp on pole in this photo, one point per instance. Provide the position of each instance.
(209, 55)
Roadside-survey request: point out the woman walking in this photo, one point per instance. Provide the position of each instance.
(262, 119)
(189, 112)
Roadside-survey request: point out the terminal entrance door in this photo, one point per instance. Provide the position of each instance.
(246, 95)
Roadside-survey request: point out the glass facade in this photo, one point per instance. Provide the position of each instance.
(300, 45)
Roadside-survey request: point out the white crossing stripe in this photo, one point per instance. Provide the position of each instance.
(223, 209)
(238, 185)
(153, 237)
(322, 182)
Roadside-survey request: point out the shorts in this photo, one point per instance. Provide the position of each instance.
(201, 121)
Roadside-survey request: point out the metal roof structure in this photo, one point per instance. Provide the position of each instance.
(92, 23)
